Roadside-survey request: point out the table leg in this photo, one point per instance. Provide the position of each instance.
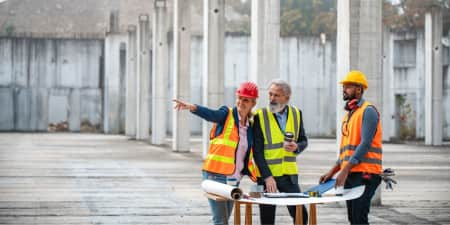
(312, 214)
(237, 213)
(248, 214)
(298, 214)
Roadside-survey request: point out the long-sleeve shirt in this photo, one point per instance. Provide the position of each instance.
(241, 150)
(302, 141)
(368, 130)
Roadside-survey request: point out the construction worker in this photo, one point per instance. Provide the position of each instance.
(231, 143)
(360, 156)
(275, 154)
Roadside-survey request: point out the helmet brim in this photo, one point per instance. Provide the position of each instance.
(246, 96)
(354, 83)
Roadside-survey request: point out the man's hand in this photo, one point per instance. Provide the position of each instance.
(271, 185)
(329, 174)
(290, 146)
(342, 176)
(324, 178)
(181, 105)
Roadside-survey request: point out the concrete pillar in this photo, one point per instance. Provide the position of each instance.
(112, 100)
(181, 79)
(143, 79)
(75, 110)
(160, 73)
(433, 77)
(387, 119)
(214, 59)
(358, 44)
(265, 45)
(130, 104)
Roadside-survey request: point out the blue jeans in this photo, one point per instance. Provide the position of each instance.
(221, 210)
(358, 209)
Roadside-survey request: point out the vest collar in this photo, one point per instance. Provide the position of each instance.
(361, 102)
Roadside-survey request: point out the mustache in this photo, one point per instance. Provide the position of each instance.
(274, 104)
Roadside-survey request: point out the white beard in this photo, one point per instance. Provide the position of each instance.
(276, 107)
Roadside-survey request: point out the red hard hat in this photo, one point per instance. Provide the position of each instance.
(248, 89)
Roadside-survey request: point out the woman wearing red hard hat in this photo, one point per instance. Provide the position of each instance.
(231, 141)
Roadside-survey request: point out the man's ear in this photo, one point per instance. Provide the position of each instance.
(359, 89)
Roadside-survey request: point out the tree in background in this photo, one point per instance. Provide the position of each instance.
(313, 17)
(405, 15)
(310, 17)
(298, 17)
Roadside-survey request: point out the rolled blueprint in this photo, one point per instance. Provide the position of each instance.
(223, 190)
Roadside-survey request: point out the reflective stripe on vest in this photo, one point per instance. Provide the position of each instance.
(252, 168)
(353, 147)
(351, 138)
(280, 161)
(222, 150)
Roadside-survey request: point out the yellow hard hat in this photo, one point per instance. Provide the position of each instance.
(355, 77)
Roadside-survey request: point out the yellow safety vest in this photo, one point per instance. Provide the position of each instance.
(280, 161)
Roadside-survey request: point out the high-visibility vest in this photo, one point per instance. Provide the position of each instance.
(351, 138)
(221, 158)
(280, 161)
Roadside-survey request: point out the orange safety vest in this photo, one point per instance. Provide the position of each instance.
(351, 138)
(221, 158)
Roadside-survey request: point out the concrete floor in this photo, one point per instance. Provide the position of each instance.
(67, 178)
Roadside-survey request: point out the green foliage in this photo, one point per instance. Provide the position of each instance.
(313, 17)
(410, 14)
(406, 117)
(9, 30)
(297, 17)
(310, 17)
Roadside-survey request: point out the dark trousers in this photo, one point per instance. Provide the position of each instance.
(358, 209)
(288, 184)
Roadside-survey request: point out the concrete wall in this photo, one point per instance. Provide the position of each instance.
(310, 67)
(408, 87)
(46, 81)
(307, 64)
(68, 19)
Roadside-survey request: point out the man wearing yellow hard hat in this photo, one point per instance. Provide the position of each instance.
(360, 158)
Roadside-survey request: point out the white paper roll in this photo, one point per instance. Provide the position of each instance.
(223, 190)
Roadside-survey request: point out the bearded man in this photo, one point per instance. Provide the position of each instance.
(279, 139)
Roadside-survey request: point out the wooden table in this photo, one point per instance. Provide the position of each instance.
(297, 202)
(248, 213)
